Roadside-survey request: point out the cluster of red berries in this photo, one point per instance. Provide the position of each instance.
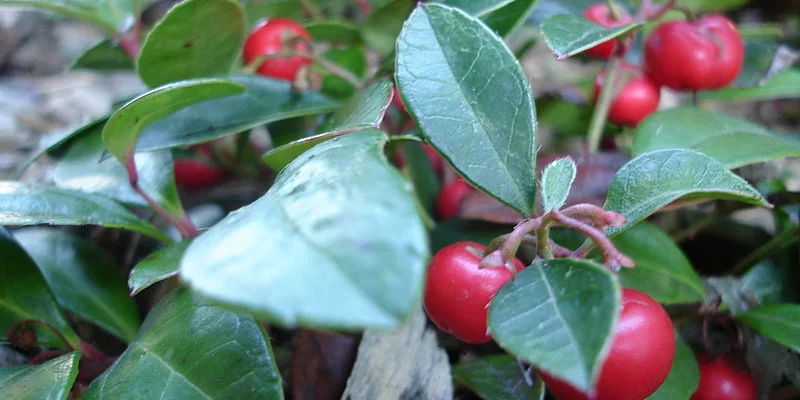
(682, 55)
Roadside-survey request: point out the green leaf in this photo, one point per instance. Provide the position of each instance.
(500, 15)
(683, 377)
(704, 6)
(31, 204)
(335, 243)
(333, 31)
(82, 279)
(381, 27)
(457, 230)
(779, 322)
(732, 141)
(51, 380)
(352, 59)
(542, 316)
(258, 10)
(557, 179)
(653, 180)
(785, 85)
(190, 349)
(195, 39)
(545, 9)
(81, 169)
(420, 172)
(115, 16)
(662, 270)
(122, 130)
(24, 295)
(159, 265)
(365, 110)
(568, 34)
(266, 100)
(103, 56)
(497, 377)
(471, 101)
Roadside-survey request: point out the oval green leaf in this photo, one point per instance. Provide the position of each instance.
(732, 141)
(500, 15)
(333, 31)
(683, 377)
(381, 27)
(190, 349)
(568, 34)
(122, 130)
(779, 322)
(159, 265)
(497, 377)
(471, 101)
(557, 180)
(195, 39)
(103, 56)
(365, 110)
(51, 380)
(662, 270)
(24, 294)
(266, 100)
(542, 317)
(785, 85)
(115, 16)
(30, 204)
(335, 243)
(82, 279)
(651, 181)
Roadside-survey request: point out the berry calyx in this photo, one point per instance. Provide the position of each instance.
(448, 202)
(700, 55)
(601, 14)
(720, 379)
(272, 37)
(458, 292)
(641, 355)
(637, 99)
(196, 174)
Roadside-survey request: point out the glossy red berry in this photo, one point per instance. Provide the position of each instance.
(720, 379)
(641, 354)
(600, 14)
(635, 101)
(457, 292)
(270, 37)
(196, 174)
(706, 54)
(448, 202)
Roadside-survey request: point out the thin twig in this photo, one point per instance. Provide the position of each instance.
(613, 258)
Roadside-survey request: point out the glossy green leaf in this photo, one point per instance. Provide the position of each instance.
(545, 9)
(683, 377)
(420, 172)
(157, 266)
(758, 58)
(497, 377)
(24, 295)
(57, 146)
(51, 380)
(471, 100)
(732, 141)
(105, 55)
(557, 179)
(568, 34)
(542, 316)
(266, 100)
(195, 39)
(662, 270)
(189, 348)
(82, 279)
(352, 59)
(31, 204)
(779, 322)
(81, 169)
(457, 230)
(381, 27)
(785, 85)
(511, 15)
(335, 243)
(365, 110)
(653, 180)
(122, 130)
(333, 31)
(115, 16)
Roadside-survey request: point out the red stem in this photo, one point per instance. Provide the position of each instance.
(181, 222)
(130, 42)
(613, 258)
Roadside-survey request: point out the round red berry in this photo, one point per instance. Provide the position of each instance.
(196, 174)
(705, 54)
(641, 355)
(458, 292)
(600, 14)
(720, 379)
(637, 99)
(271, 37)
(448, 202)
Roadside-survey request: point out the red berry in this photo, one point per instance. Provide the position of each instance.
(398, 102)
(270, 38)
(448, 203)
(457, 292)
(721, 380)
(600, 14)
(196, 174)
(706, 54)
(635, 101)
(641, 354)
